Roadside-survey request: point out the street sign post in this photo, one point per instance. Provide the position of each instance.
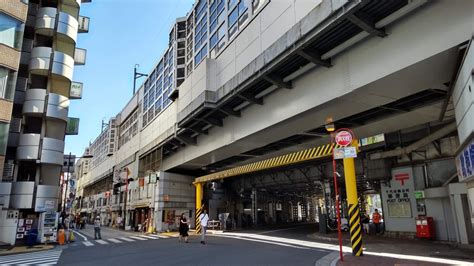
(345, 138)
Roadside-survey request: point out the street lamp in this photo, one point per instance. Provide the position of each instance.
(68, 171)
(330, 127)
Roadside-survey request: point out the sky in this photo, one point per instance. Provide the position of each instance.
(122, 33)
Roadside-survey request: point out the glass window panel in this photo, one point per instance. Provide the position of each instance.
(233, 17)
(242, 8)
(213, 40)
(3, 138)
(231, 3)
(11, 31)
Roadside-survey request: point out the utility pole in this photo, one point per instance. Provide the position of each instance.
(136, 75)
(125, 202)
(66, 181)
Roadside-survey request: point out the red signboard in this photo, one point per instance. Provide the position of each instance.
(343, 138)
(402, 177)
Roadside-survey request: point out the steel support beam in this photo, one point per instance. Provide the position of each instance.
(229, 111)
(393, 109)
(186, 139)
(250, 98)
(366, 23)
(418, 144)
(314, 58)
(278, 81)
(198, 130)
(213, 121)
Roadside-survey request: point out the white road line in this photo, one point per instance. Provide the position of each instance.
(81, 235)
(27, 260)
(151, 237)
(50, 261)
(88, 243)
(50, 257)
(164, 237)
(137, 238)
(127, 239)
(265, 241)
(114, 240)
(102, 242)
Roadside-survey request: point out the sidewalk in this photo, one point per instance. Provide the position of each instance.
(380, 250)
(24, 249)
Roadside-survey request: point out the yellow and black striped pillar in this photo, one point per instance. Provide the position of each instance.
(353, 203)
(198, 206)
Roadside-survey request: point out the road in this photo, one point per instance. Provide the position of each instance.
(288, 246)
(229, 249)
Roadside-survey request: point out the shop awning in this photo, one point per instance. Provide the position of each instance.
(275, 162)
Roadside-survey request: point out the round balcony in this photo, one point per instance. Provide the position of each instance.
(28, 147)
(67, 27)
(34, 102)
(74, 3)
(58, 107)
(52, 151)
(46, 21)
(49, 20)
(44, 61)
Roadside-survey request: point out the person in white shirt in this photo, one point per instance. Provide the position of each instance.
(67, 224)
(203, 218)
(97, 228)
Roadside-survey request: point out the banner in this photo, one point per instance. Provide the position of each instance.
(72, 127)
(76, 90)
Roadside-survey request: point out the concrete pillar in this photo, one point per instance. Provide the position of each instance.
(470, 197)
(254, 206)
(455, 192)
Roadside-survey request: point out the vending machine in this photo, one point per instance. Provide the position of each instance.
(48, 227)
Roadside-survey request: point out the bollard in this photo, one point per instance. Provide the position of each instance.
(61, 236)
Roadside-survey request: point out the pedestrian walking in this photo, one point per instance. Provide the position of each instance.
(203, 218)
(365, 220)
(67, 224)
(78, 221)
(183, 228)
(83, 222)
(97, 228)
(376, 218)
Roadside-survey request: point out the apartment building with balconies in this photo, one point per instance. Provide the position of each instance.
(46, 54)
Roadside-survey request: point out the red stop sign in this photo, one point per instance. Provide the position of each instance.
(343, 138)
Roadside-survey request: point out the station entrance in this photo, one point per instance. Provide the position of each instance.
(288, 189)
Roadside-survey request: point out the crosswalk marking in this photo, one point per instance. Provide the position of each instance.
(119, 240)
(138, 238)
(102, 242)
(150, 236)
(88, 243)
(34, 258)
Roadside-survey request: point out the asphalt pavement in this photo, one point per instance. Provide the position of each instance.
(219, 250)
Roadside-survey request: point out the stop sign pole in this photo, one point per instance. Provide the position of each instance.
(345, 138)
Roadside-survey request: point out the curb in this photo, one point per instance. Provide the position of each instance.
(330, 259)
(28, 251)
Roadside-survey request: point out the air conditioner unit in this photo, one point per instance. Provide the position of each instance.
(8, 169)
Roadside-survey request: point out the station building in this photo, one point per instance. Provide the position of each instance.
(239, 103)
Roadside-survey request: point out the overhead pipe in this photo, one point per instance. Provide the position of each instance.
(420, 143)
